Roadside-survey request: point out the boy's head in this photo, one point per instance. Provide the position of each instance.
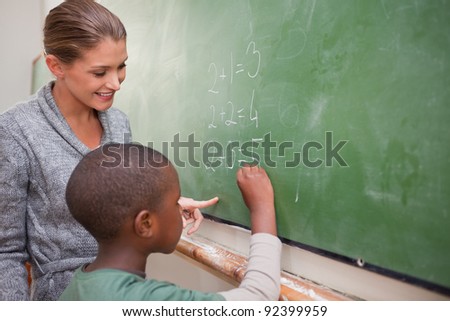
(129, 192)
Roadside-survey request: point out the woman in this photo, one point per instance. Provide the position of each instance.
(43, 139)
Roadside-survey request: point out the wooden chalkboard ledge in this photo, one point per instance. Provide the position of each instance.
(233, 266)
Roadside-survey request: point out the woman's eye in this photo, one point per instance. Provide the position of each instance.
(99, 74)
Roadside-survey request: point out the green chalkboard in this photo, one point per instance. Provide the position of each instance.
(345, 103)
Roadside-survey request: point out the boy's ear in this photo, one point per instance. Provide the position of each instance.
(143, 224)
(54, 65)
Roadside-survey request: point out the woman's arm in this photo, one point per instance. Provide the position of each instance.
(13, 196)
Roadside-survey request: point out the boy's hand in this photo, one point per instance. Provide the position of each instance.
(258, 195)
(255, 187)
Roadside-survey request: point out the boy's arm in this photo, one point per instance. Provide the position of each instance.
(262, 277)
(257, 192)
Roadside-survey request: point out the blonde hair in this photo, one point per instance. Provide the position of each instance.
(79, 25)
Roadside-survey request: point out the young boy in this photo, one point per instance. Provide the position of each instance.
(126, 196)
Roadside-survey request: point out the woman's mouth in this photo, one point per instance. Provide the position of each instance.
(105, 96)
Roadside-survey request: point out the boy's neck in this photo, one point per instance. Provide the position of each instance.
(114, 257)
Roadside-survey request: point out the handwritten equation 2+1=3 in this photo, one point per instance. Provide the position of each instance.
(232, 113)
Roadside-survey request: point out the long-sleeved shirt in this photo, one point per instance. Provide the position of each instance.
(38, 151)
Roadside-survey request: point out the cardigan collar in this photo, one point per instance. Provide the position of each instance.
(58, 122)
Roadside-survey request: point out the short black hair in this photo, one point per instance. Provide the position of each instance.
(116, 182)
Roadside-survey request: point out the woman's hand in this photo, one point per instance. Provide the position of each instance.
(191, 211)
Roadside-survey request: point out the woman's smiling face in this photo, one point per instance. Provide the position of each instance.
(92, 80)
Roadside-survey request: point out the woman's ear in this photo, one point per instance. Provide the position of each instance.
(54, 65)
(143, 224)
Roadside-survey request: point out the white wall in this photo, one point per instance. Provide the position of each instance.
(21, 24)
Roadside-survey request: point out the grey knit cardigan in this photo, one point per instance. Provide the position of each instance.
(38, 152)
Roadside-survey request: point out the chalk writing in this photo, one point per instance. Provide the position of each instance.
(222, 78)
